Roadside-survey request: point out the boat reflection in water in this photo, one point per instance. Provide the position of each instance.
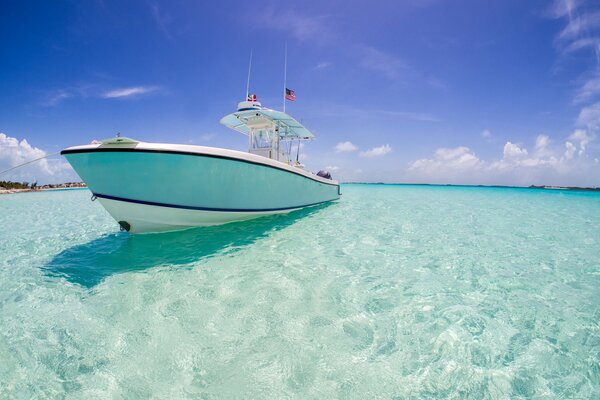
(89, 263)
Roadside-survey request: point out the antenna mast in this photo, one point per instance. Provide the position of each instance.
(248, 82)
(284, 76)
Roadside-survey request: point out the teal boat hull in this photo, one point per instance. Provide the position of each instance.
(151, 187)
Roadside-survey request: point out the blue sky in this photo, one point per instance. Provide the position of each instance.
(464, 92)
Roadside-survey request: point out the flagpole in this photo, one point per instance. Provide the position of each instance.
(284, 75)
(248, 82)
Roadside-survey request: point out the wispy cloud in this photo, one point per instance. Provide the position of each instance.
(580, 25)
(314, 28)
(563, 8)
(129, 92)
(57, 96)
(582, 30)
(589, 90)
(163, 20)
(376, 151)
(589, 117)
(323, 65)
(382, 62)
(320, 30)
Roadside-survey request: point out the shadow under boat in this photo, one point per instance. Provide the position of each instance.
(89, 263)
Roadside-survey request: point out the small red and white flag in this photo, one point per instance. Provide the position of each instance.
(290, 94)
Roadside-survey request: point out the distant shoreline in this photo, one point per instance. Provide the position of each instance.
(44, 188)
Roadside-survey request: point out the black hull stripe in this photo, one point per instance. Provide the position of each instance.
(187, 153)
(152, 203)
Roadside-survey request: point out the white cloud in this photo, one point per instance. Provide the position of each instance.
(457, 158)
(512, 150)
(547, 165)
(14, 152)
(570, 150)
(376, 151)
(332, 168)
(451, 153)
(542, 142)
(345, 147)
(583, 138)
(128, 92)
(542, 146)
(486, 134)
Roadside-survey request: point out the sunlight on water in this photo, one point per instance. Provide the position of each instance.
(393, 292)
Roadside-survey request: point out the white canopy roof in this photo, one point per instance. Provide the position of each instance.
(264, 118)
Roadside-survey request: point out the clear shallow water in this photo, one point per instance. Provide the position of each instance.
(393, 292)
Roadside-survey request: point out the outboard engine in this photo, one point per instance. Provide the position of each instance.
(324, 174)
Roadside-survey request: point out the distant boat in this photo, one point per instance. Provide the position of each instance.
(153, 187)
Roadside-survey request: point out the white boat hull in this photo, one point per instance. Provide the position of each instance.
(149, 218)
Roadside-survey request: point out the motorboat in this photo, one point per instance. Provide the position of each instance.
(154, 187)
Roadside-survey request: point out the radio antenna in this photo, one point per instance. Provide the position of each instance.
(248, 81)
(284, 76)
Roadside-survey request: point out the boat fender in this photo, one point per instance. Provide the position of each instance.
(94, 197)
(324, 174)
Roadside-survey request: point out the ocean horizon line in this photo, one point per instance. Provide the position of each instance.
(543, 187)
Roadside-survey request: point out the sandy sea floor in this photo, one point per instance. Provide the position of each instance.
(393, 292)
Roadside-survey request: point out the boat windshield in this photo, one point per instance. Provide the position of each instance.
(272, 134)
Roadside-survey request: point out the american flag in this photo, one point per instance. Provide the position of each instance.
(290, 94)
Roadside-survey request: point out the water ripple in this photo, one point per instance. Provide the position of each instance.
(393, 292)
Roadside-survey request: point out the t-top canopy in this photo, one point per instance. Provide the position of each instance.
(264, 118)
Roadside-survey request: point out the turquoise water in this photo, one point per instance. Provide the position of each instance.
(393, 292)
